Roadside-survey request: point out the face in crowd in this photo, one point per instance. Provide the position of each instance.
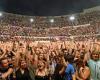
(23, 64)
(77, 55)
(95, 56)
(40, 56)
(41, 65)
(5, 62)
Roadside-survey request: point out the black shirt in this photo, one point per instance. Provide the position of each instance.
(24, 76)
(41, 78)
(57, 76)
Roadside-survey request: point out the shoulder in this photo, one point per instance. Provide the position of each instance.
(90, 61)
(70, 66)
(70, 69)
(98, 61)
(17, 70)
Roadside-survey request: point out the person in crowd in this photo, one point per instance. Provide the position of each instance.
(31, 63)
(82, 71)
(58, 67)
(6, 69)
(68, 68)
(41, 71)
(94, 65)
(23, 73)
(77, 55)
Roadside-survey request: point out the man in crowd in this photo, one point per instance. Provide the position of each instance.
(6, 69)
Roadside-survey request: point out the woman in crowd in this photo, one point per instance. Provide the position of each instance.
(82, 71)
(94, 65)
(41, 71)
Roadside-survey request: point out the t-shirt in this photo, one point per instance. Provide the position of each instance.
(69, 72)
(95, 69)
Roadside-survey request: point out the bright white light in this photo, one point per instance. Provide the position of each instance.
(1, 14)
(52, 20)
(31, 20)
(72, 18)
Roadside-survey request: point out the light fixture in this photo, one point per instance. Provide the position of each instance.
(72, 18)
(31, 20)
(52, 20)
(1, 14)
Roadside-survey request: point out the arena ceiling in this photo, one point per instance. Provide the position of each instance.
(46, 7)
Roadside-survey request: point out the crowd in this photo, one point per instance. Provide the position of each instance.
(45, 32)
(44, 22)
(18, 25)
(60, 60)
(40, 50)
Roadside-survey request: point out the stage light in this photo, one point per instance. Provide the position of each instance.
(1, 14)
(52, 20)
(31, 20)
(72, 18)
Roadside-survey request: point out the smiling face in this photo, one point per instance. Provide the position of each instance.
(95, 56)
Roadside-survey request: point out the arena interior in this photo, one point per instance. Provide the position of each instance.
(65, 47)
